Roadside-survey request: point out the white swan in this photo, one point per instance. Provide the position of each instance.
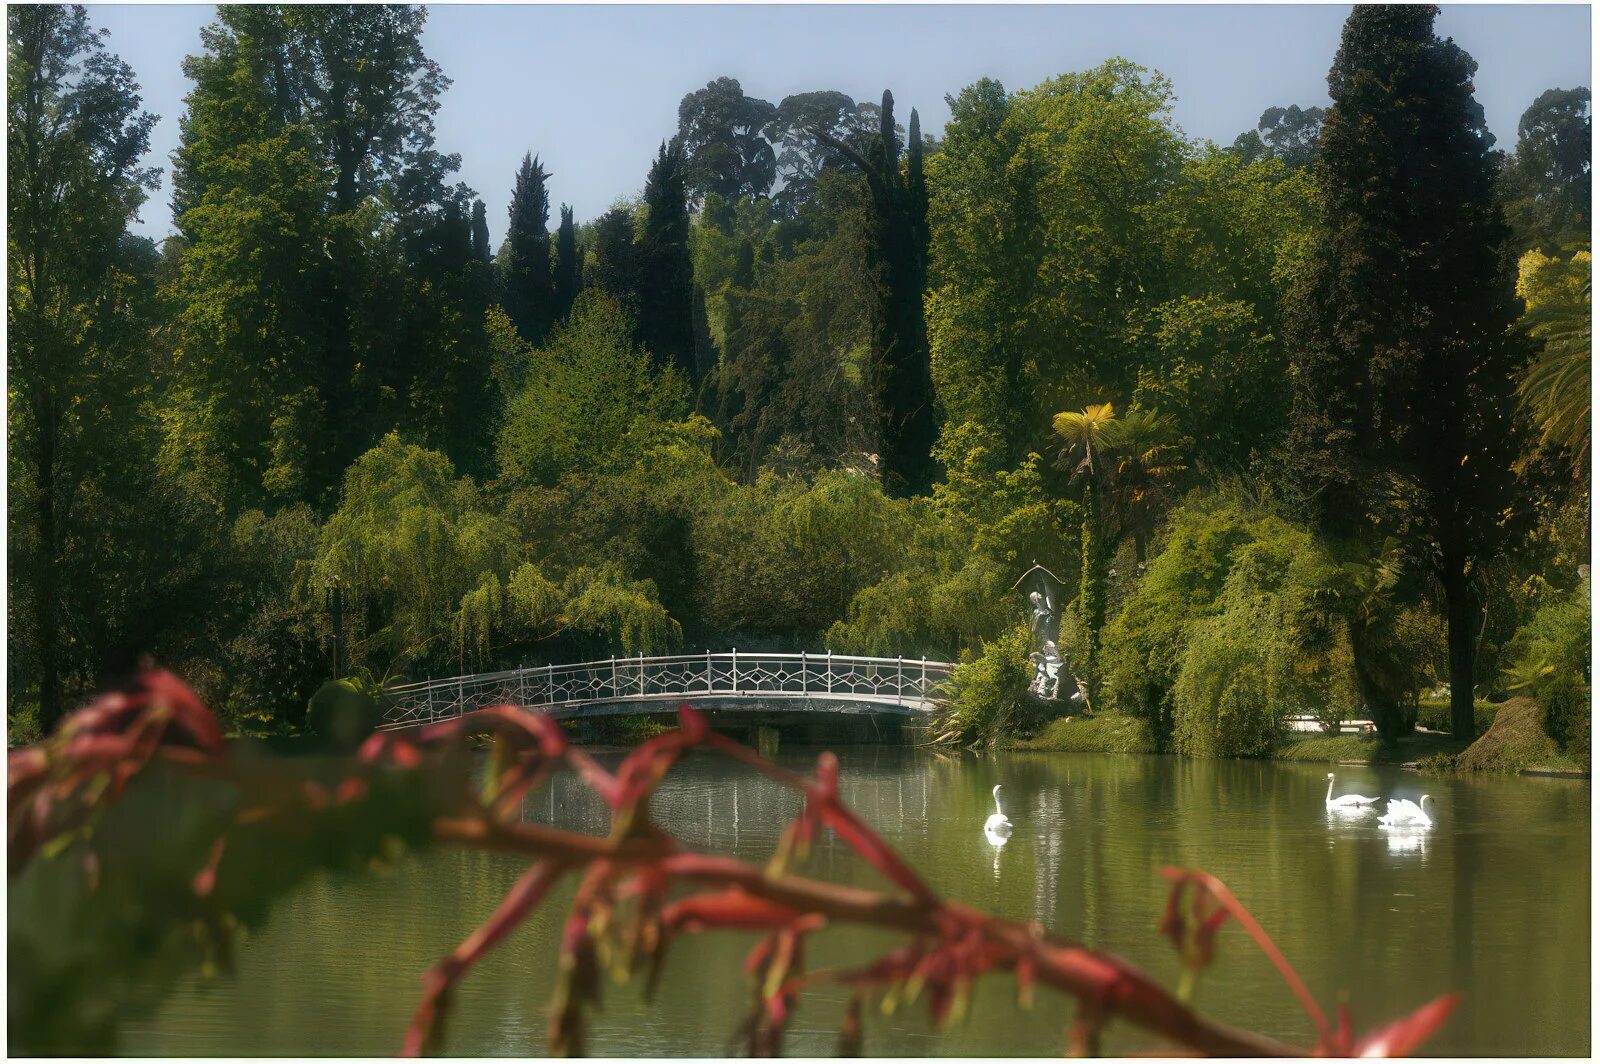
(997, 824)
(1403, 812)
(1346, 801)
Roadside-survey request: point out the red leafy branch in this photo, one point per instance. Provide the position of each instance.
(640, 889)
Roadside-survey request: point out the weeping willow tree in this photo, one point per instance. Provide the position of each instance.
(599, 605)
(410, 539)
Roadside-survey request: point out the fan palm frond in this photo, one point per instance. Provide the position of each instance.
(1087, 436)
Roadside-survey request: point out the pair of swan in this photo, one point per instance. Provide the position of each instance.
(1402, 812)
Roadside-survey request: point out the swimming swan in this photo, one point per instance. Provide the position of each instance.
(997, 824)
(1346, 801)
(1403, 812)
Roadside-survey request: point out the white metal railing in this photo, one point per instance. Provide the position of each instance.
(897, 681)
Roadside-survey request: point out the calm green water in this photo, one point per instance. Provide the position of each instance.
(1494, 901)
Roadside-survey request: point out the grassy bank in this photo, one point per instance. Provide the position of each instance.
(1117, 733)
(1512, 739)
(1103, 733)
(1369, 749)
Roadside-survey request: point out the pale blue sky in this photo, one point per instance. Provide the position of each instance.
(594, 89)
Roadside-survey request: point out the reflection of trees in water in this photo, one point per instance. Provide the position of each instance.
(1048, 813)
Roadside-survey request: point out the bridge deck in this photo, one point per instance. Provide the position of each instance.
(834, 683)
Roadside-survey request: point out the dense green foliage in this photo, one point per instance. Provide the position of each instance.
(1272, 412)
(985, 698)
(1404, 355)
(1553, 665)
(80, 298)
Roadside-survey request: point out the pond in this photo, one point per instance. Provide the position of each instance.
(1493, 902)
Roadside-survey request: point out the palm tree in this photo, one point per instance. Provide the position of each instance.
(1147, 458)
(1555, 386)
(1088, 439)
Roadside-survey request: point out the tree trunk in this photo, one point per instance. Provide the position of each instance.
(45, 592)
(1387, 715)
(1463, 613)
(1091, 588)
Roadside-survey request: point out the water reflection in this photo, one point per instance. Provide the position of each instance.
(1407, 839)
(996, 840)
(1381, 919)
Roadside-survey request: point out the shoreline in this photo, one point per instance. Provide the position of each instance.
(1426, 751)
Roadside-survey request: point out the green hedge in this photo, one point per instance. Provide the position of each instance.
(1435, 714)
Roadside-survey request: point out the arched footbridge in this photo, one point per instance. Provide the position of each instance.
(728, 682)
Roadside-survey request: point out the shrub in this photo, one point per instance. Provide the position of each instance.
(1223, 699)
(1435, 714)
(1564, 701)
(1238, 622)
(1553, 666)
(985, 696)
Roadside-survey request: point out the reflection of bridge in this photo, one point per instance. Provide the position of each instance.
(767, 683)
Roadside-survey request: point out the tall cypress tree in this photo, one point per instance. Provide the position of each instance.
(1403, 362)
(900, 249)
(666, 277)
(480, 233)
(566, 279)
(615, 265)
(526, 285)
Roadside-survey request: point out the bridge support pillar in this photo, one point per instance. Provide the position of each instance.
(767, 741)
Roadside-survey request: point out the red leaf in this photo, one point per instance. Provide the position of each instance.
(526, 893)
(1225, 897)
(693, 724)
(205, 880)
(25, 766)
(878, 853)
(187, 710)
(1404, 1035)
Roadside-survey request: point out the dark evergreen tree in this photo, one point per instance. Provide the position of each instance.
(665, 278)
(480, 233)
(451, 239)
(568, 263)
(900, 246)
(527, 289)
(1403, 364)
(615, 266)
